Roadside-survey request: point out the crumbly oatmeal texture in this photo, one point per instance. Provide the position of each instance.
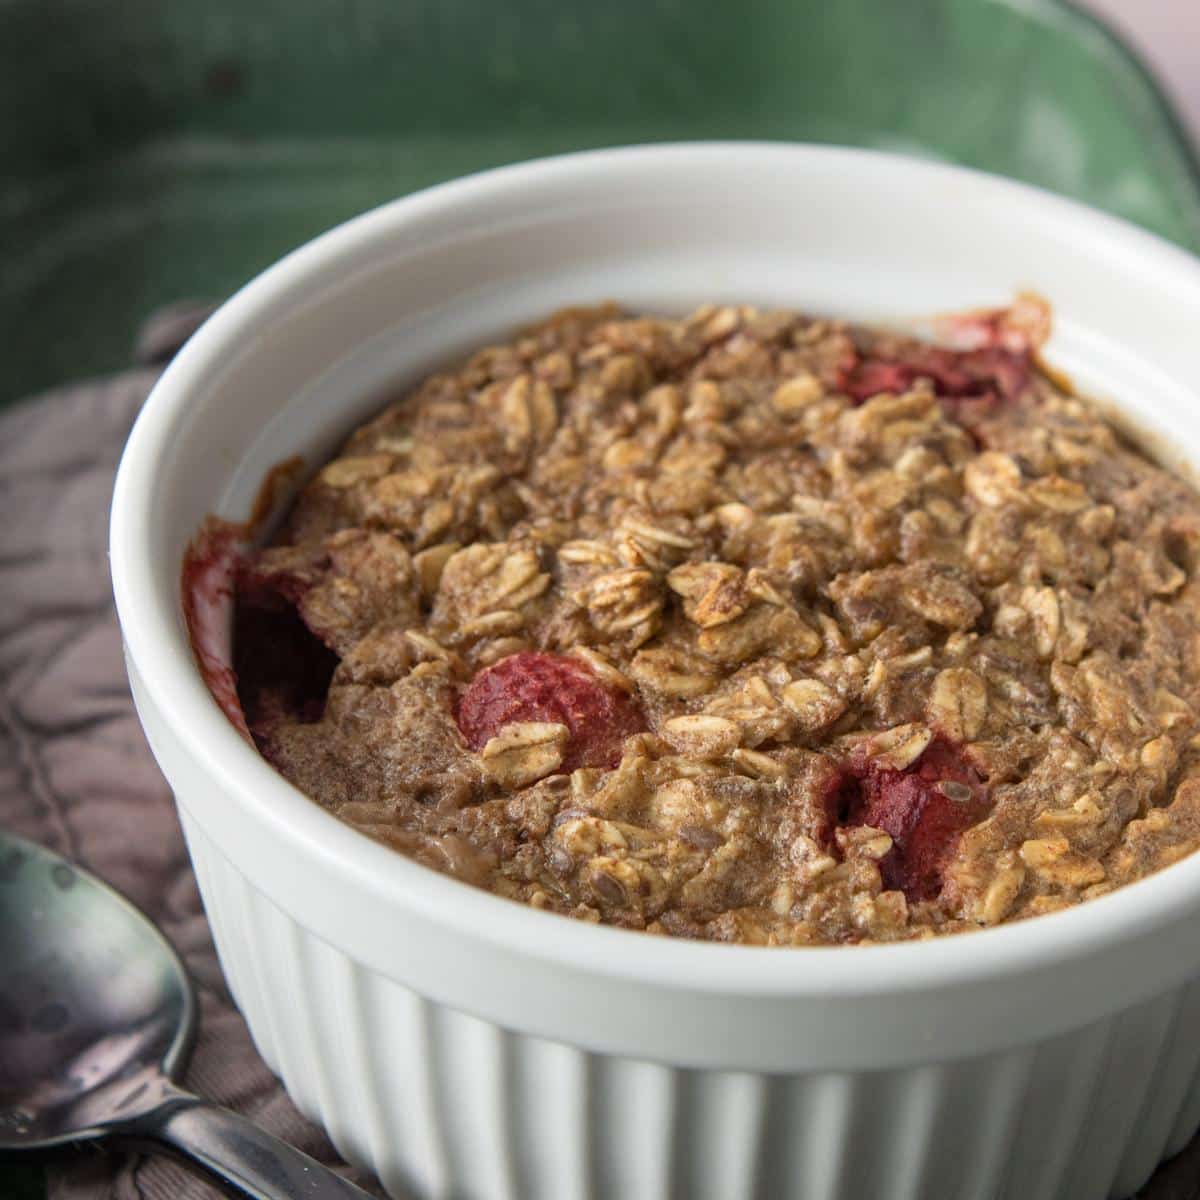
(749, 626)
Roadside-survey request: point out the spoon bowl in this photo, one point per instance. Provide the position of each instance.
(95, 1006)
(97, 1018)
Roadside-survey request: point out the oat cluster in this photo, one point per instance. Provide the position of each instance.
(795, 584)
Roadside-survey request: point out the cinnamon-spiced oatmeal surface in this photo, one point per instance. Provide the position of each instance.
(748, 626)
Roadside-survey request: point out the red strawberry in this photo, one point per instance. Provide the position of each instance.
(989, 374)
(550, 687)
(924, 808)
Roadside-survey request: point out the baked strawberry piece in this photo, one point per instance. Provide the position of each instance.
(551, 687)
(925, 808)
(282, 665)
(991, 374)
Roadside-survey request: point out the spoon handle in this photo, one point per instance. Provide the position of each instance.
(244, 1160)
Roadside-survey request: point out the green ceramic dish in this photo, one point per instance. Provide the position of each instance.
(159, 149)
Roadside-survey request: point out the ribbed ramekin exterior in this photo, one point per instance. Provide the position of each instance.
(447, 1106)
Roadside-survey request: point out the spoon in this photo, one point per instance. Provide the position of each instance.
(97, 1018)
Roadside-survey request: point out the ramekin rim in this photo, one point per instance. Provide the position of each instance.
(165, 664)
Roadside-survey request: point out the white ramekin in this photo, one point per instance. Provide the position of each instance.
(467, 1047)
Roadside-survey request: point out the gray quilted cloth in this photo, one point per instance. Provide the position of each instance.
(75, 773)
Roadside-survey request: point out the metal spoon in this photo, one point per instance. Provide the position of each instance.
(97, 1017)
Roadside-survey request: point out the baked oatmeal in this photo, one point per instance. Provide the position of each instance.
(749, 626)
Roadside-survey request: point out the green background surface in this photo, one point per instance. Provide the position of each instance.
(157, 150)
(162, 149)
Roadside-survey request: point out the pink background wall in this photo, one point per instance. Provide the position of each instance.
(1167, 32)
